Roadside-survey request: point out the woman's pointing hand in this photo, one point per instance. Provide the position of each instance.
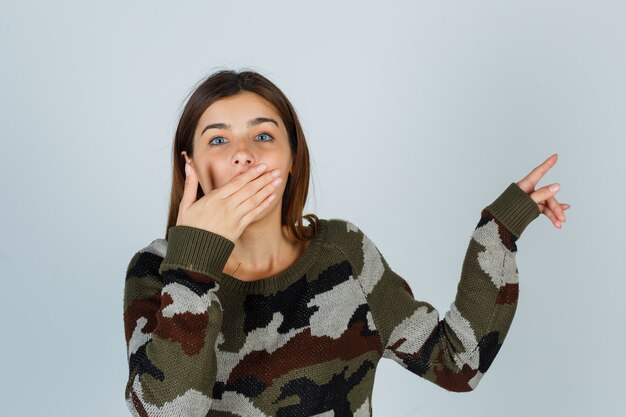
(544, 196)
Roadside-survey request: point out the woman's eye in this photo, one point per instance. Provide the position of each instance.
(268, 136)
(265, 137)
(211, 141)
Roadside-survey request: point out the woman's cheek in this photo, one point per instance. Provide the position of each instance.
(213, 179)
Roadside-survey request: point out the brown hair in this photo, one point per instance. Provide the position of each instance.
(225, 83)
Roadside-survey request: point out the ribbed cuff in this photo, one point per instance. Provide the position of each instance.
(514, 209)
(197, 250)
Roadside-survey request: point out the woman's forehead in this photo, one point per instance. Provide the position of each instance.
(241, 107)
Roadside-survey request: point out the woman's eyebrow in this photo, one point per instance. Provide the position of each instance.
(252, 122)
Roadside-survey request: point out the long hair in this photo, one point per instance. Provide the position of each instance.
(225, 83)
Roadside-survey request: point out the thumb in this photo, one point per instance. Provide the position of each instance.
(545, 193)
(191, 187)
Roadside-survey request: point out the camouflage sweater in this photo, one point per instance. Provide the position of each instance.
(306, 341)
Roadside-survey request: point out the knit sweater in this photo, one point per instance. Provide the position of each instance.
(306, 341)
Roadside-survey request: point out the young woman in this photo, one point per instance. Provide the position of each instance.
(242, 310)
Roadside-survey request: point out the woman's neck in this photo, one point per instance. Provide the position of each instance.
(263, 249)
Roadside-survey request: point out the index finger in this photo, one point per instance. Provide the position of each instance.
(535, 175)
(241, 179)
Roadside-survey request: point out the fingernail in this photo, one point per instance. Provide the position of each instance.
(187, 170)
(261, 168)
(554, 188)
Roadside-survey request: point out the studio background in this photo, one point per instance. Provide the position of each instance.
(417, 115)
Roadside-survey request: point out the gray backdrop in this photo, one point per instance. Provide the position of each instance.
(417, 114)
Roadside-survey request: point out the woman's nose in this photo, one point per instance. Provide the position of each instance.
(242, 161)
(243, 157)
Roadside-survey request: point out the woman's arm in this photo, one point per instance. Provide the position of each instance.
(456, 351)
(172, 318)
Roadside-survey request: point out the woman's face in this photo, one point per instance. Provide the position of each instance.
(235, 134)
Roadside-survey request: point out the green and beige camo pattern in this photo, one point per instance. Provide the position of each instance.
(306, 341)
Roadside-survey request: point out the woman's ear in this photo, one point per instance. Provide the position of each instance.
(187, 159)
